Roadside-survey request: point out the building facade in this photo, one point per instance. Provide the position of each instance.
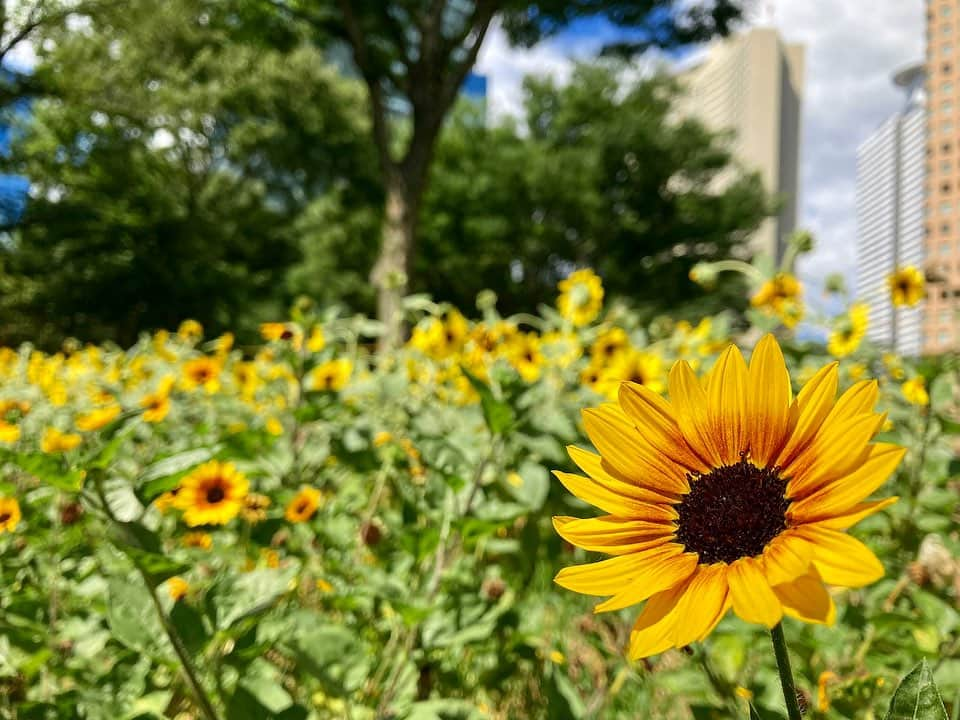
(940, 319)
(752, 84)
(890, 214)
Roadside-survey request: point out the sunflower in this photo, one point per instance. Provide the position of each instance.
(288, 332)
(316, 342)
(643, 368)
(156, 406)
(915, 391)
(525, 356)
(332, 375)
(782, 295)
(906, 286)
(201, 372)
(201, 540)
(303, 505)
(849, 331)
(9, 433)
(54, 441)
(9, 514)
(190, 331)
(255, 508)
(212, 494)
(581, 297)
(609, 344)
(177, 587)
(97, 419)
(731, 494)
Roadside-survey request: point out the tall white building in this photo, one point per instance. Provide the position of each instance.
(752, 84)
(890, 214)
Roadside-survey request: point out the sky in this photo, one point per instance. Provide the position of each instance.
(853, 47)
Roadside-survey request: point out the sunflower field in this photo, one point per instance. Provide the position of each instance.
(309, 529)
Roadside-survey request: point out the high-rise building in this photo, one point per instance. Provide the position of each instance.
(940, 326)
(752, 84)
(890, 214)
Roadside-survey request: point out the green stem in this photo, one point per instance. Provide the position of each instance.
(786, 674)
(186, 664)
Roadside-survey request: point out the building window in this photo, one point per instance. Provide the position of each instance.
(946, 166)
(943, 336)
(946, 128)
(946, 68)
(945, 11)
(944, 316)
(945, 147)
(947, 87)
(944, 229)
(946, 49)
(945, 207)
(945, 187)
(946, 106)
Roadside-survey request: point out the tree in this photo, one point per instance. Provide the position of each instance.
(170, 167)
(417, 53)
(604, 175)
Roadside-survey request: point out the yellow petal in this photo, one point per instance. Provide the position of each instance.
(689, 401)
(807, 599)
(856, 514)
(614, 498)
(610, 576)
(620, 444)
(702, 606)
(858, 400)
(753, 600)
(768, 401)
(839, 495)
(654, 630)
(607, 476)
(809, 410)
(657, 425)
(613, 535)
(726, 389)
(786, 559)
(658, 575)
(841, 559)
(832, 454)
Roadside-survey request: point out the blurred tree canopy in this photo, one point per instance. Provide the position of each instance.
(211, 159)
(600, 175)
(175, 162)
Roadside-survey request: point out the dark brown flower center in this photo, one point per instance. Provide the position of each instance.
(215, 494)
(4, 517)
(732, 512)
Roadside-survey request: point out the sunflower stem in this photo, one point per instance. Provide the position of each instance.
(786, 674)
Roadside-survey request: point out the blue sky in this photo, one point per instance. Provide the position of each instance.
(852, 50)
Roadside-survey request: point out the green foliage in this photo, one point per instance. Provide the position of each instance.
(603, 176)
(917, 697)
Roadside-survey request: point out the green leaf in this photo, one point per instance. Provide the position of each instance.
(497, 414)
(917, 697)
(133, 619)
(50, 469)
(165, 474)
(331, 654)
(250, 593)
(533, 485)
(144, 548)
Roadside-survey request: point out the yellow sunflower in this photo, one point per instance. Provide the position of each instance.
(255, 508)
(177, 587)
(212, 494)
(643, 368)
(97, 419)
(849, 331)
(9, 514)
(915, 391)
(332, 375)
(156, 406)
(782, 296)
(609, 344)
(304, 504)
(54, 441)
(732, 493)
(289, 332)
(201, 372)
(907, 286)
(9, 433)
(581, 297)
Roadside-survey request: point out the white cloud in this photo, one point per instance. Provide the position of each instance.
(852, 50)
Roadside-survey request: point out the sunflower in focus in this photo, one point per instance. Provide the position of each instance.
(850, 331)
(907, 286)
(303, 505)
(212, 494)
(9, 514)
(581, 297)
(731, 494)
(782, 296)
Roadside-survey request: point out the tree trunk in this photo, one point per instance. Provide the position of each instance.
(390, 274)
